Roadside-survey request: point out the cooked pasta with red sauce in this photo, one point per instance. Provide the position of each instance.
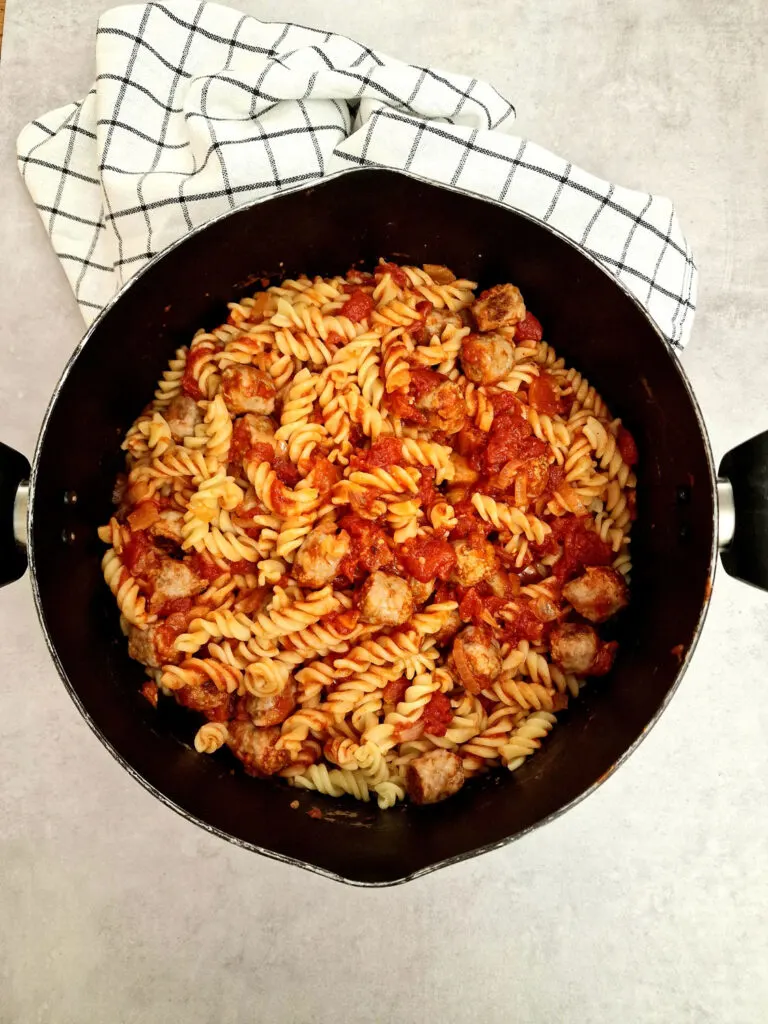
(371, 529)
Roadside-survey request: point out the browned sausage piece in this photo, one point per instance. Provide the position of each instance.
(487, 358)
(598, 594)
(385, 599)
(434, 776)
(246, 389)
(273, 710)
(168, 526)
(182, 416)
(173, 580)
(256, 747)
(445, 407)
(500, 306)
(257, 429)
(437, 320)
(317, 560)
(577, 648)
(449, 629)
(215, 704)
(421, 591)
(574, 647)
(153, 646)
(477, 656)
(475, 561)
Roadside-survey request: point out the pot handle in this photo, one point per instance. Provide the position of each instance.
(14, 474)
(743, 499)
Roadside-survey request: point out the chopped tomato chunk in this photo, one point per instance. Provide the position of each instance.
(511, 438)
(393, 692)
(140, 555)
(581, 547)
(387, 451)
(543, 396)
(370, 548)
(437, 715)
(257, 453)
(357, 307)
(528, 329)
(627, 447)
(524, 625)
(478, 606)
(427, 558)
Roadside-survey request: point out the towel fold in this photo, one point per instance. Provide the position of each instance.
(195, 111)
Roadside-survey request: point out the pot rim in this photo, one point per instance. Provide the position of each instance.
(162, 797)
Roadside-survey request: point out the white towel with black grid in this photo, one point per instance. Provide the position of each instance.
(198, 109)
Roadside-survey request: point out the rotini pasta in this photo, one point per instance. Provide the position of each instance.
(370, 528)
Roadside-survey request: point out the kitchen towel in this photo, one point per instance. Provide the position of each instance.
(197, 109)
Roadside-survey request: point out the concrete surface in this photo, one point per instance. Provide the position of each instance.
(647, 903)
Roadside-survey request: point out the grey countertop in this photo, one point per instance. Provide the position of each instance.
(649, 901)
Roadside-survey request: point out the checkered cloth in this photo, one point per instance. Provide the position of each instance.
(197, 111)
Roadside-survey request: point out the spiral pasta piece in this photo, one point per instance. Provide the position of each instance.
(506, 517)
(210, 737)
(526, 739)
(606, 449)
(130, 601)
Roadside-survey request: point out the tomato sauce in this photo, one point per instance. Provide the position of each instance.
(418, 328)
(387, 451)
(204, 567)
(394, 692)
(525, 625)
(478, 604)
(427, 558)
(358, 306)
(324, 475)
(139, 554)
(400, 404)
(446, 592)
(427, 493)
(342, 622)
(398, 274)
(423, 381)
(470, 442)
(469, 524)
(335, 340)
(286, 472)
(370, 548)
(257, 453)
(581, 547)
(437, 715)
(506, 401)
(176, 606)
(511, 438)
(603, 661)
(241, 566)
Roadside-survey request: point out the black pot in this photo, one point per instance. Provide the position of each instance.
(587, 316)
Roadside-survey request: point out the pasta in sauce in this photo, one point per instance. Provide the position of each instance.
(369, 529)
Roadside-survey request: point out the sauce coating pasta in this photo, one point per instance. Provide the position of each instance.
(370, 529)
